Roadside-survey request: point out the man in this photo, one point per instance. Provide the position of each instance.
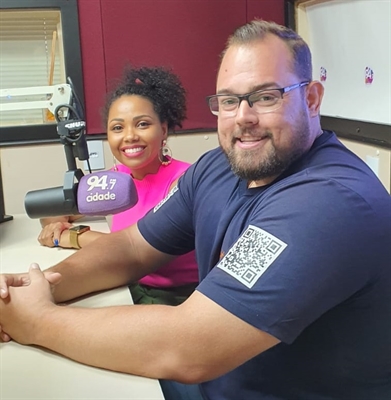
(292, 234)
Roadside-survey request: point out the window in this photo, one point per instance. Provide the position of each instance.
(40, 48)
(352, 107)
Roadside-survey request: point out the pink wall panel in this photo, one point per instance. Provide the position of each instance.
(93, 60)
(269, 10)
(186, 35)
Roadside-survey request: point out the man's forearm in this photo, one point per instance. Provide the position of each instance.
(127, 339)
(146, 340)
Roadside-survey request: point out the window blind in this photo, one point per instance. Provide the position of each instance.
(31, 54)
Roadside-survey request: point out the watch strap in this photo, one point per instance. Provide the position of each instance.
(74, 234)
(73, 239)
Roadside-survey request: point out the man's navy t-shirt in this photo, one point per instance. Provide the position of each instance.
(306, 259)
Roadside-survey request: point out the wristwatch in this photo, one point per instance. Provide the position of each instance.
(74, 233)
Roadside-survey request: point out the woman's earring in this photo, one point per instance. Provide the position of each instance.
(166, 154)
(115, 168)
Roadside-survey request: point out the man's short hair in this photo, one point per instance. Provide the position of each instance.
(259, 30)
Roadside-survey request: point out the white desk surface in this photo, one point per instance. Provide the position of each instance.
(28, 372)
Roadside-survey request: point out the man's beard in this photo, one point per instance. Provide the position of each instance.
(251, 166)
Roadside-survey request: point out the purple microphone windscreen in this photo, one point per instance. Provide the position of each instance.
(106, 192)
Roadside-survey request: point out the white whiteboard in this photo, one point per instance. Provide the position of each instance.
(351, 41)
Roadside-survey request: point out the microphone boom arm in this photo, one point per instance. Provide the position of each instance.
(71, 130)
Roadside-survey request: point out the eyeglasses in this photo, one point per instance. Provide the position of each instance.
(262, 101)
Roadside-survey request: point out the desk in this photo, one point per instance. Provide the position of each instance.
(28, 372)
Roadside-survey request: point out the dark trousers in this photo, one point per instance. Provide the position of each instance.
(179, 391)
(174, 296)
(142, 294)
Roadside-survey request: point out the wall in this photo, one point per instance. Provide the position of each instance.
(29, 168)
(378, 158)
(38, 167)
(344, 38)
(350, 41)
(187, 35)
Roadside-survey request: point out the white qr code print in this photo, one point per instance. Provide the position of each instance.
(251, 255)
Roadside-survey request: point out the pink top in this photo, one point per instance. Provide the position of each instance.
(151, 190)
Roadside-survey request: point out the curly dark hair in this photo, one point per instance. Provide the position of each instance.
(159, 85)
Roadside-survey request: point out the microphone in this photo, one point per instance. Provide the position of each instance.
(106, 192)
(99, 193)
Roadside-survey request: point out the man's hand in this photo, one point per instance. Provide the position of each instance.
(7, 280)
(16, 280)
(21, 311)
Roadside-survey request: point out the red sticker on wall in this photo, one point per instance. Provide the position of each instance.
(368, 76)
(323, 74)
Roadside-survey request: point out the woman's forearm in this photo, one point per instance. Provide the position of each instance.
(86, 238)
(112, 260)
(63, 218)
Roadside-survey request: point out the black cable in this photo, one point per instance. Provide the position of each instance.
(77, 103)
(69, 107)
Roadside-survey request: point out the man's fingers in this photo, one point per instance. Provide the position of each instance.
(4, 283)
(3, 336)
(3, 292)
(35, 272)
(12, 280)
(53, 277)
(7, 280)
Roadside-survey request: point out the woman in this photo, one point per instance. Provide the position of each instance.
(139, 113)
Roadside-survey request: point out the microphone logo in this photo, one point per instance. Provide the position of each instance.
(106, 192)
(100, 184)
(100, 197)
(75, 124)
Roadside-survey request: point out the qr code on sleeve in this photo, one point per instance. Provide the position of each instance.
(251, 255)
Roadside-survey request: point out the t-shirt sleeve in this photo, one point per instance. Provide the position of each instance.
(169, 225)
(294, 259)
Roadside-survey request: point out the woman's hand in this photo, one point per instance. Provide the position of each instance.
(65, 241)
(51, 234)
